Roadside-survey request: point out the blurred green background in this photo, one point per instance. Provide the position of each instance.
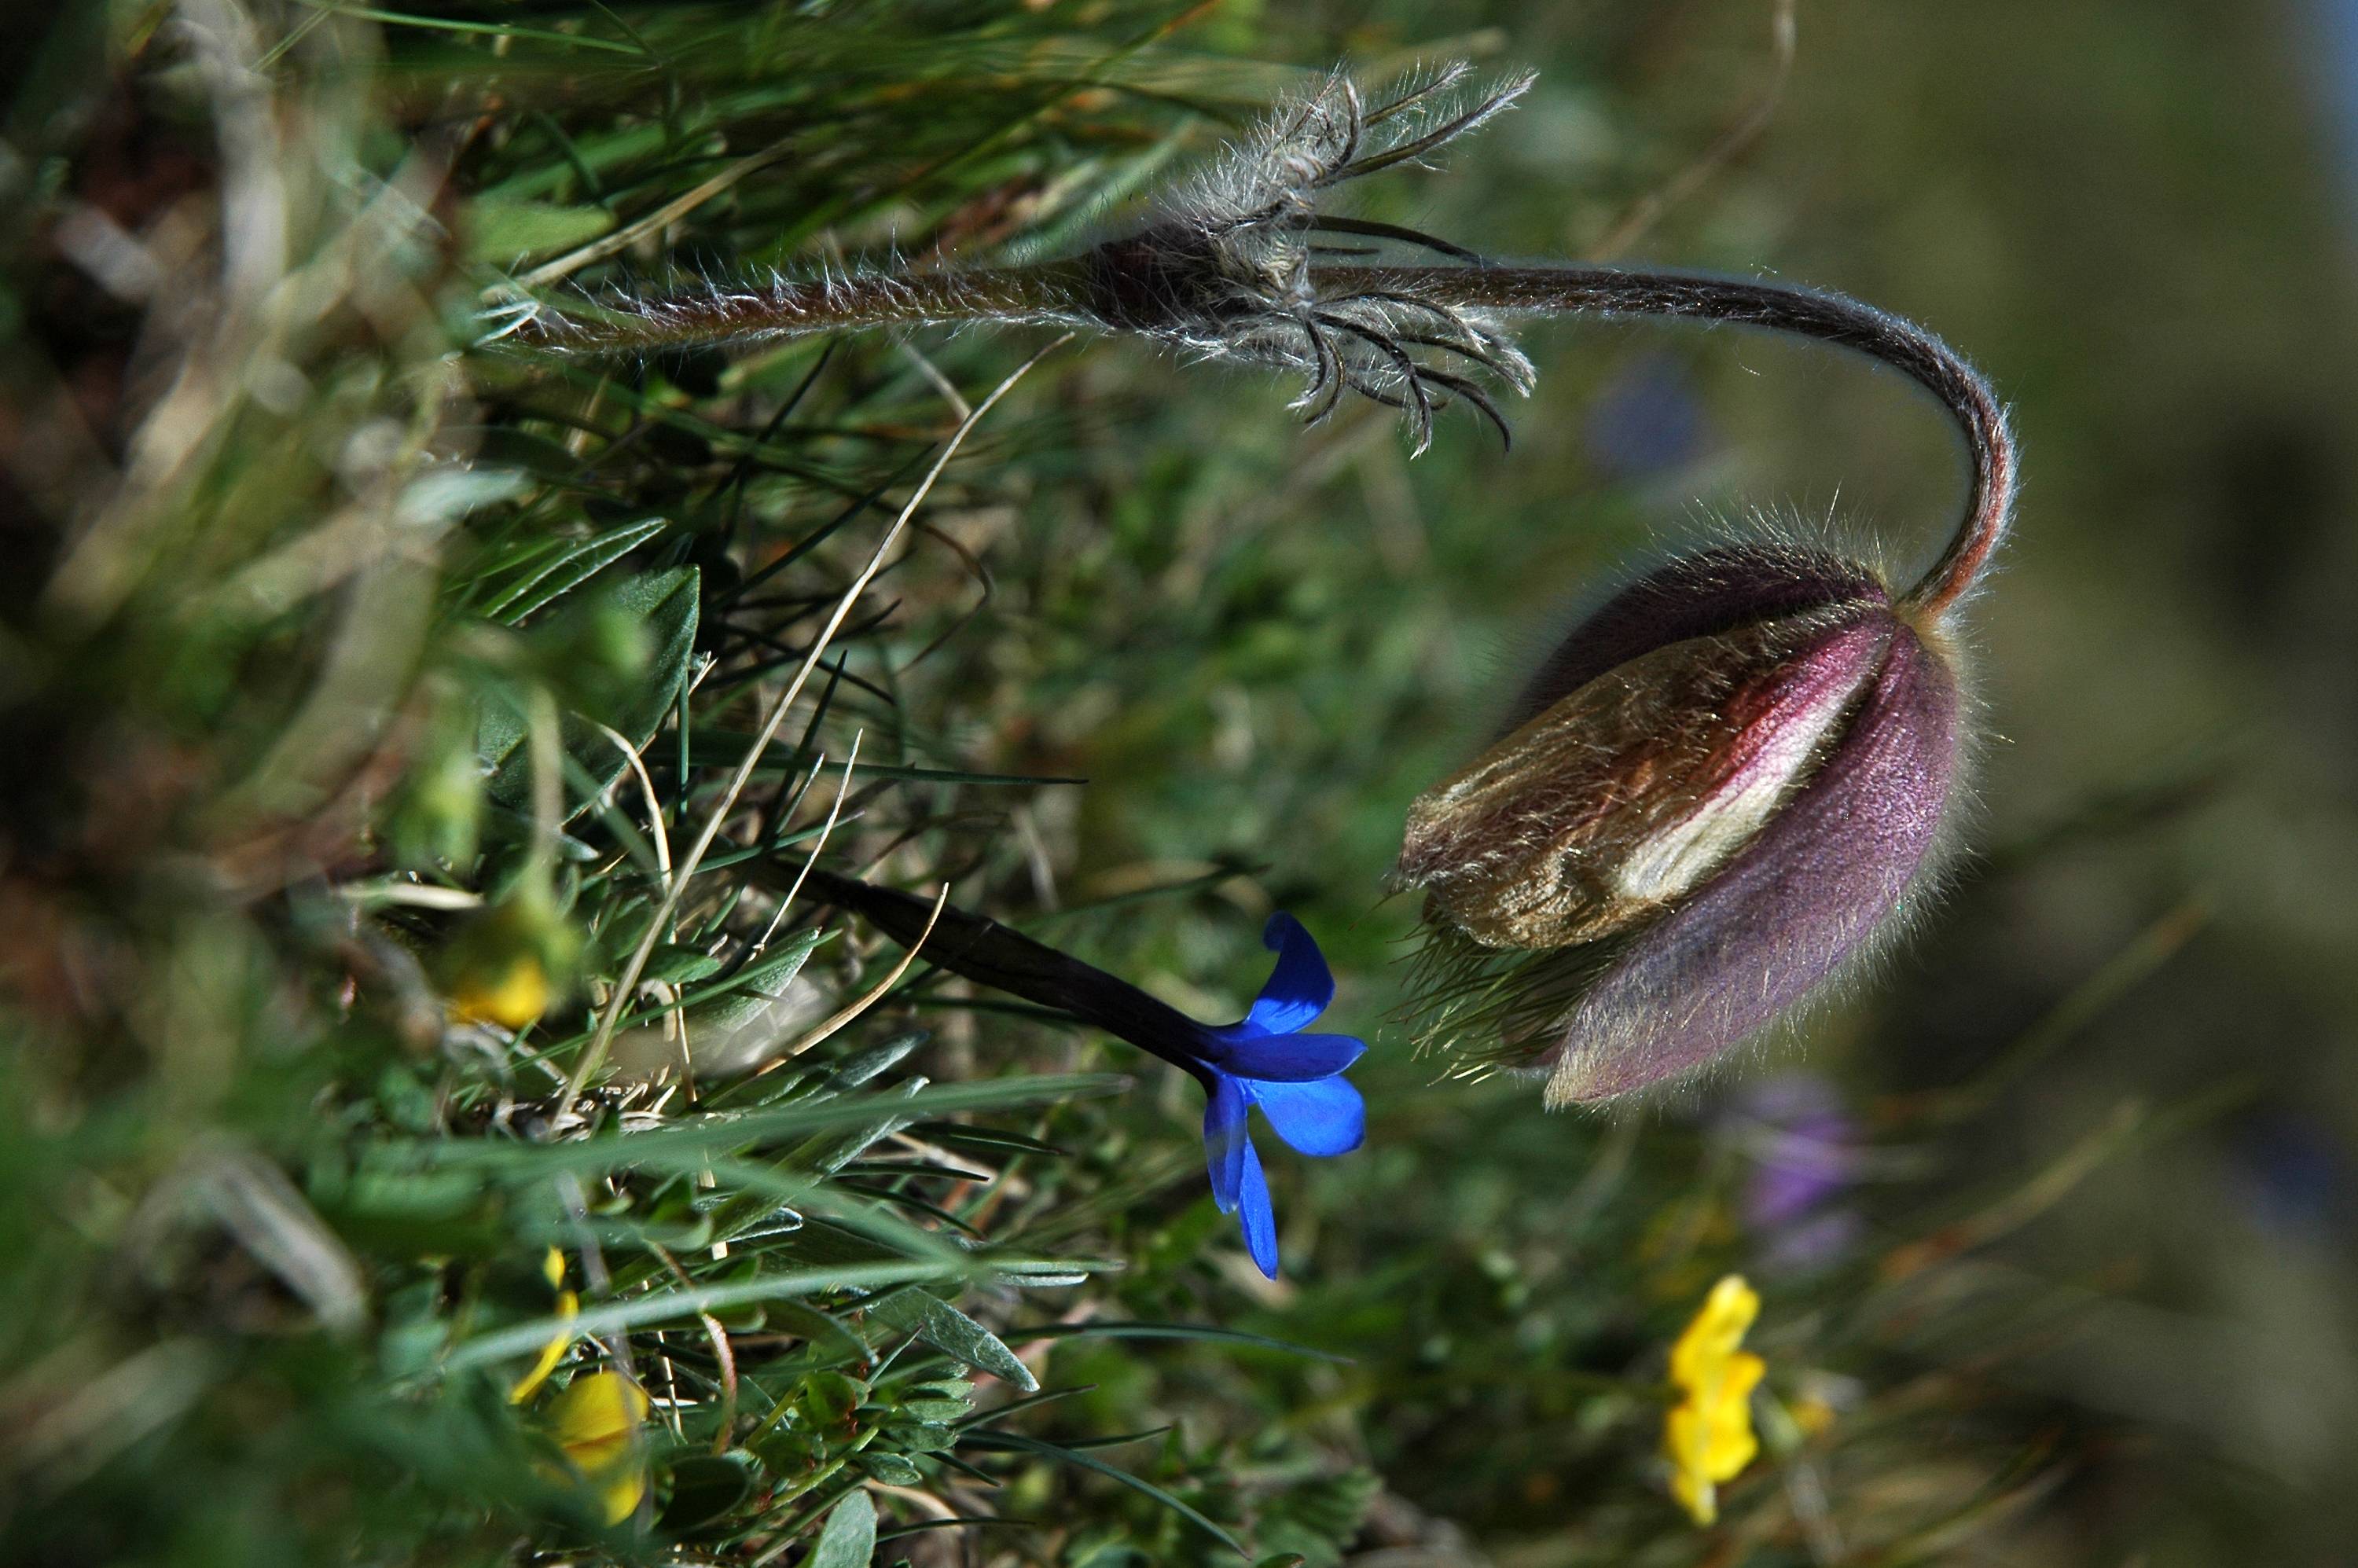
(2079, 1287)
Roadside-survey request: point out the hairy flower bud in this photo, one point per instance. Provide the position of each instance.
(1722, 790)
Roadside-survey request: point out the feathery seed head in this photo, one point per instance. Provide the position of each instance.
(1225, 271)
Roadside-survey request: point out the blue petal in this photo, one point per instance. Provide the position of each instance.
(1301, 986)
(1324, 1118)
(1226, 1147)
(1279, 1058)
(1260, 1221)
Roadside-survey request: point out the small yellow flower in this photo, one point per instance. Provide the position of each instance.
(1707, 1436)
(511, 994)
(596, 1422)
(568, 1307)
(508, 963)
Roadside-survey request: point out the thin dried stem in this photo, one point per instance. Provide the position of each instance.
(1634, 224)
(819, 847)
(872, 995)
(594, 1055)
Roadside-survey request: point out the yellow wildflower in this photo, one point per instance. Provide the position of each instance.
(511, 994)
(568, 1307)
(1708, 1435)
(508, 963)
(595, 1421)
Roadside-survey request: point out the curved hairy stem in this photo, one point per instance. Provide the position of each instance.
(1231, 267)
(1149, 288)
(1809, 313)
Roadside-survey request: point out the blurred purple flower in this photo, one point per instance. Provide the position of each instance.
(1802, 1150)
(1646, 420)
(2294, 1178)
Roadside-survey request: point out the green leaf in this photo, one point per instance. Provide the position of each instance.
(996, 1139)
(1116, 1439)
(774, 970)
(926, 1436)
(704, 1486)
(829, 1154)
(937, 1323)
(828, 1398)
(1008, 1442)
(1314, 1520)
(705, 1138)
(847, 1540)
(665, 1306)
(892, 1470)
(546, 572)
(1000, 1412)
(1174, 1331)
(502, 232)
(876, 1059)
(734, 1001)
(824, 1333)
(665, 605)
(726, 748)
(676, 964)
(492, 30)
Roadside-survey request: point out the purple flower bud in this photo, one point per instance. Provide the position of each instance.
(1719, 794)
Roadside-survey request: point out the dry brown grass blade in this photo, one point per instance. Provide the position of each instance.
(871, 996)
(626, 983)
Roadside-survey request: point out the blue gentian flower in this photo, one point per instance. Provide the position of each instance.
(1264, 1060)
(1295, 1078)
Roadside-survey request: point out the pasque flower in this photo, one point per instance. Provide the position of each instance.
(1722, 792)
(1267, 1059)
(1726, 789)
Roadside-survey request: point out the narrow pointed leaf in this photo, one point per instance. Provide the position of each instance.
(954, 1335)
(1009, 1442)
